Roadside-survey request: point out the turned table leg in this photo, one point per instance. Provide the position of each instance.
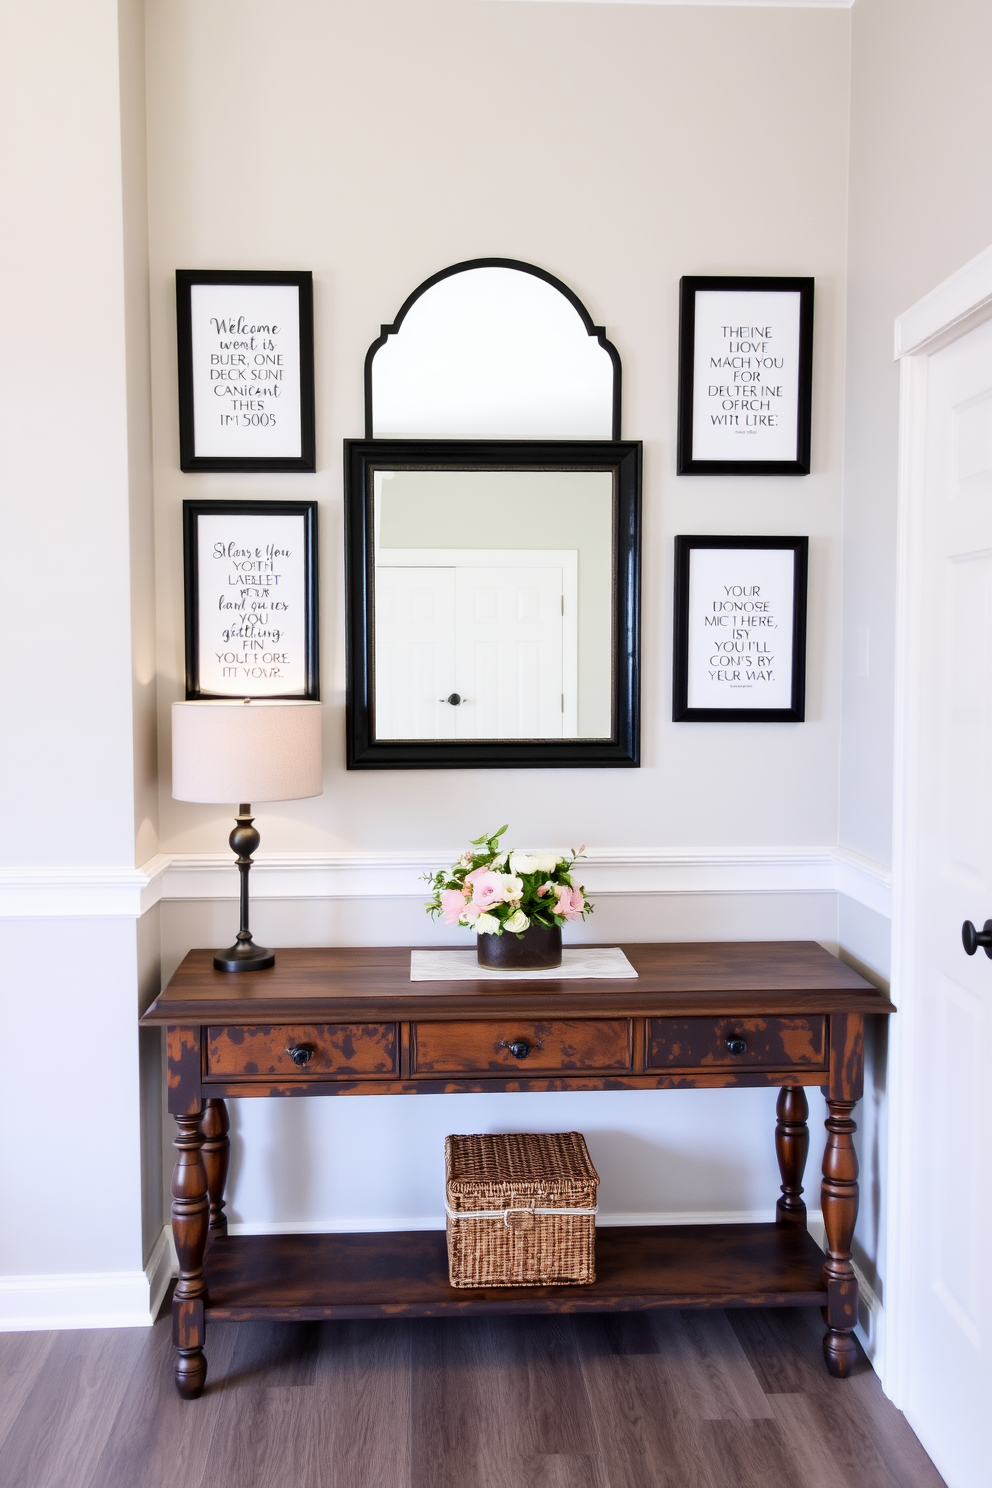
(839, 1197)
(216, 1153)
(792, 1147)
(190, 1212)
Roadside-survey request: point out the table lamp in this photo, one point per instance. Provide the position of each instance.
(256, 749)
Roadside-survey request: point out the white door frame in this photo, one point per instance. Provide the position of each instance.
(951, 310)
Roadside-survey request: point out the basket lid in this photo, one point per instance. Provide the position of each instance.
(525, 1161)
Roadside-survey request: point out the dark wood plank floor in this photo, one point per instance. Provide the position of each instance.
(662, 1400)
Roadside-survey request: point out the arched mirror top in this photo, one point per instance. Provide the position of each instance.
(492, 349)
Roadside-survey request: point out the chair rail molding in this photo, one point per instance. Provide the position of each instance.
(126, 893)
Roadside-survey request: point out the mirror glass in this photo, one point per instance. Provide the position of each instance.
(490, 350)
(493, 604)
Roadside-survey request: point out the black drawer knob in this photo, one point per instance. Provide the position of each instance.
(520, 1048)
(971, 938)
(300, 1054)
(736, 1044)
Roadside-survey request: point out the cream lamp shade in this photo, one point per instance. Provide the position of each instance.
(263, 749)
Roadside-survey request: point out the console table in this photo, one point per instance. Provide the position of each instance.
(351, 1022)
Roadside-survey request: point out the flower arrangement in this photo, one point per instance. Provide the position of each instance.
(490, 890)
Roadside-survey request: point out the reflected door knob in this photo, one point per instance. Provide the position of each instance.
(300, 1054)
(736, 1044)
(520, 1048)
(454, 699)
(971, 938)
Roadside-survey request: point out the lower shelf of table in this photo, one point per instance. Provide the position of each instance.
(406, 1274)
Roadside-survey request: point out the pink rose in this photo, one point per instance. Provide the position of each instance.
(544, 889)
(571, 902)
(487, 889)
(452, 903)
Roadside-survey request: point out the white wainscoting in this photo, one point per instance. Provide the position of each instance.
(128, 892)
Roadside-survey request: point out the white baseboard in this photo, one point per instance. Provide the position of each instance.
(128, 892)
(380, 1225)
(89, 1299)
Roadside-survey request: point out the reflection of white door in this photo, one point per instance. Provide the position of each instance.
(499, 635)
(941, 1117)
(508, 653)
(414, 653)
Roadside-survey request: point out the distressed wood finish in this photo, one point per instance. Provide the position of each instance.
(792, 1149)
(839, 1201)
(216, 1154)
(704, 1043)
(472, 1047)
(406, 1274)
(334, 1050)
(367, 1029)
(372, 984)
(183, 1078)
(190, 1214)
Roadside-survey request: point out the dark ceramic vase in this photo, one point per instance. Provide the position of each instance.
(537, 949)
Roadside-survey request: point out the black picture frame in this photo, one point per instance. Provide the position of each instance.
(307, 510)
(189, 459)
(799, 462)
(361, 459)
(795, 712)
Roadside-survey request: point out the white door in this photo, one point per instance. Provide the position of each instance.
(508, 653)
(491, 638)
(414, 653)
(944, 1104)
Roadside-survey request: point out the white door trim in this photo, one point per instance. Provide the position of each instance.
(951, 310)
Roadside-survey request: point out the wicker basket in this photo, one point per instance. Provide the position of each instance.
(521, 1210)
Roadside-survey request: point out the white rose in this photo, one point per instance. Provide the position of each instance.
(517, 922)
(546, 862)
(466, 860)
(512, 887)
(487, 924)
(522, 863)
(498, 862)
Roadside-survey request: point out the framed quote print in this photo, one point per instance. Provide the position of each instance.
(745, 376)
(740, 629)
(251, 599)
(246, 395)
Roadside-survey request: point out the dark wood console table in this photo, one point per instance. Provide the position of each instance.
(350, 1022)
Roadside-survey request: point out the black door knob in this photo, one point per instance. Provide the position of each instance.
(971, 938)
(736, 1044)
(520, 1048)
(300, 1054)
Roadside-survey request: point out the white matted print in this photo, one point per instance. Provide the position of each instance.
(740, 628)
(250, 599)
(245, 371)
(745, 380)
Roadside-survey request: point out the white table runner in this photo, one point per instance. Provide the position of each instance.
(463, 966)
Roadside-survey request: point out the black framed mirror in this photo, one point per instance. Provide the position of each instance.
(493, 597)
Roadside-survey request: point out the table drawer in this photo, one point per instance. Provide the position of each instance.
(332, 1050)
(515, 1046)
(701, 1043)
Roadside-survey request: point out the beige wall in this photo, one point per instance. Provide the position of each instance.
(77, 550)
(921, 206)
(618, 146)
